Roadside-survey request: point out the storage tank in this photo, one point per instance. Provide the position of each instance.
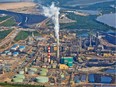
(43, 73)
(44, 69)
(9, 53)
(21, 48)
(33, 69)
(15, 53)
(31, 72)
(20, 76)
(17, 80)
(15, 47)
(21, 72)
(42, 79)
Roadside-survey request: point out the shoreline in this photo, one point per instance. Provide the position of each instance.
(16, 5)
(91, 3)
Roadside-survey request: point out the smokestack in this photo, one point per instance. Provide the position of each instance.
(53, 13)
(58, 48)
(49, 54)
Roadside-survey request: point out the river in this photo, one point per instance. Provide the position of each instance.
(23, 20)
(108, 19)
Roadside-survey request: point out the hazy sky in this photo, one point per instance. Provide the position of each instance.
(8, 0)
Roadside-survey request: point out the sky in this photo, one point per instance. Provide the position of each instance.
(8, 0)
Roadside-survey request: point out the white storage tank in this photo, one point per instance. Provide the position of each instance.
(21, 48)
(17, 80)
(31, 72)
(33, 69)
(21, 72)
(15, 47)
(42, 79)
(19, 76)
(9, 53)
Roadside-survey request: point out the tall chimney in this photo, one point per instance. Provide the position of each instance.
(57, 48)
(49, 54)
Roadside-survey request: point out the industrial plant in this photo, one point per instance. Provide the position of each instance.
(57, 57)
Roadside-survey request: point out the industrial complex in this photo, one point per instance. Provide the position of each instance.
(35, 60)
(67, 60)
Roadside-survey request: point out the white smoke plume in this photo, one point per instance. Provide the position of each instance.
(53, 13)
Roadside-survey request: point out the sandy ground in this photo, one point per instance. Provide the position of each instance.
(7, 6)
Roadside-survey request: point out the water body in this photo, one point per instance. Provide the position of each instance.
(108, 19)
(91, 12)
(74, 3)
(23, 20)
(97, 78)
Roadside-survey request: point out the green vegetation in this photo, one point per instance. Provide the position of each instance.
(24, 34)
(85, 22)
(10, 22)
(102, 7)
(3, 18)
(3, 34)
(18, 85)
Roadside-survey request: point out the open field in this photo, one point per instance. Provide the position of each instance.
(7, 6)
(3, 18)
(24, 34)
(8, 22)
(18, 85)
(3, 34)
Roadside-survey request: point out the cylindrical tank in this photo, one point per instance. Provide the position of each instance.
(42, 79)
(31, 72)
(17, 80)
(44, 69)
(19, 76)
(43, 73)
(33, 69)
(21, 72)
(9, 53)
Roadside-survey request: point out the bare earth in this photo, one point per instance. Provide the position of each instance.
(8, 6)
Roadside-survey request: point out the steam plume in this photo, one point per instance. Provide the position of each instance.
(53, 13)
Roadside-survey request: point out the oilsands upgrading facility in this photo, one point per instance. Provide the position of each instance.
(57, 58)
